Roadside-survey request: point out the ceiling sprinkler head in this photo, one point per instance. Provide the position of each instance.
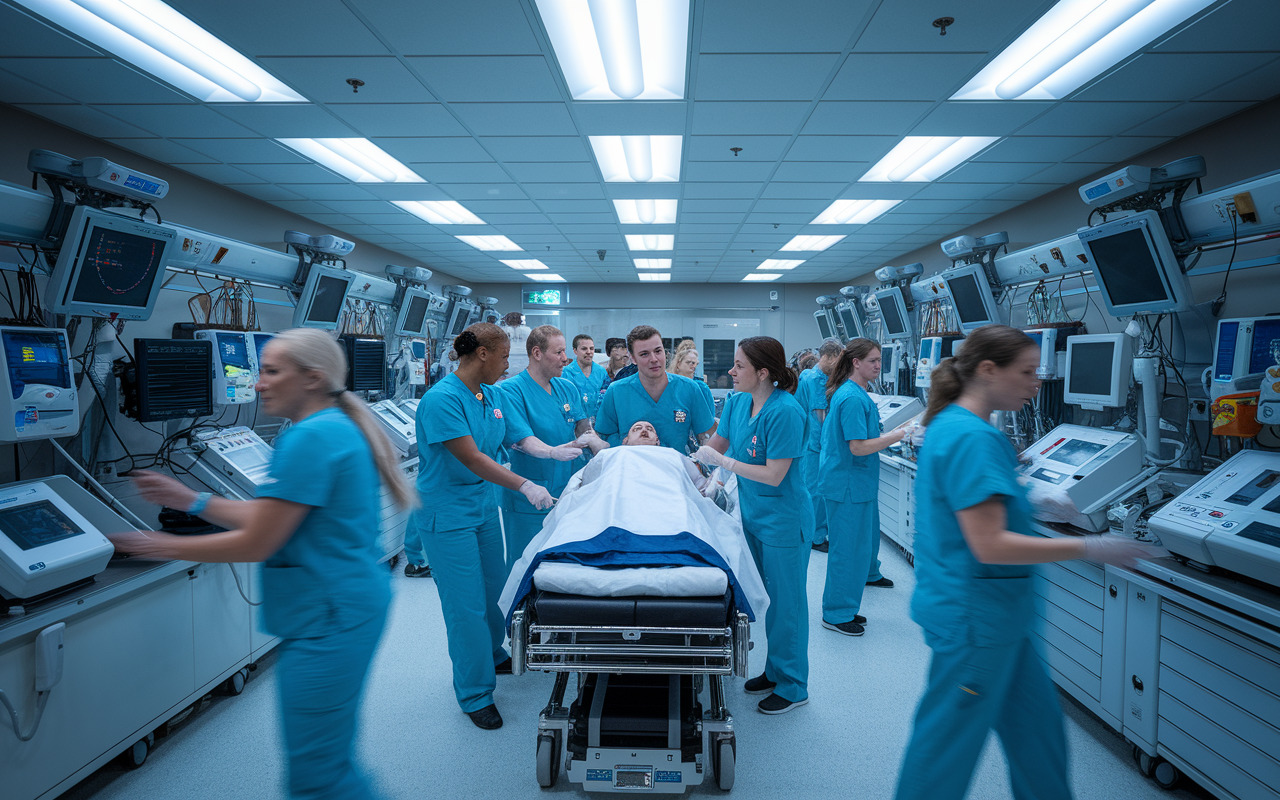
(943, 23)
(355, 84)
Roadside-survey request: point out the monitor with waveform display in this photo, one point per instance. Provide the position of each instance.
(109, 265)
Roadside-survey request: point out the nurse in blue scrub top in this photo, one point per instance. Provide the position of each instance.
(675, 405)
(811, 394)
(974, 595)
(762, 429)
(461, 426)
(542, 411)
(315, 524)
(590, 378)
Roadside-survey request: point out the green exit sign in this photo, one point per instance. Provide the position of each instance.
(542, 297)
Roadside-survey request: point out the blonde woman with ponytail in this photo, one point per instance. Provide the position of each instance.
(315, 524)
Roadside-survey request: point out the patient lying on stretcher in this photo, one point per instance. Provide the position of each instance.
(631, 510)
(644, 434)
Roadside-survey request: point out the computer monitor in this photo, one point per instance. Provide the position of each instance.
(109, 264)
(323, 297)
(1097, 370)
(825, 329)
(414, 310)
(1243, 347)
(460, 317)
(971, 296)
(366, 363)
(1135, 267)
(37, 391)
(174, 378)
(893, 313)
(849, 321)
(260, 340)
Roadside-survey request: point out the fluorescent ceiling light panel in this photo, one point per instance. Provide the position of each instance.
(157, 39)
(920, 159)
(809, 243)
(544, 276)
(652, 263)
(1074, 42)
(524, 263)
(620, 49)
(650, 241)
(654, 276)
(638, 159)
(439, 212)
(490, 242)
(779, 263)
(359, 160)
(646, 212)
(853, 212)
(762, 276)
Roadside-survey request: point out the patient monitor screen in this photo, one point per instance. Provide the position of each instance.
(417, 315)
(1127, 268)
(1255, 488)
(966, 295)
(893, 322)
(1265, 332)
(118, 269)
(35, 357)
(1076, 452)
(1091, 368)
(36, 525)
(234, 353)
(326, 304)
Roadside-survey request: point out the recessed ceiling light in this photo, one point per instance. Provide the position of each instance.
(544, 276)
(811, 243)
(359, 160)
(654, 276)
(524, 263)
(652, 263)
(620, 49)
(1074, 42)
(157, 39)
(651, 241)
(439, 212)
(762, 276)
(853, 212)
(492, 242)
(779, 263)
(919, 159)
(638, 159)
(646, 212)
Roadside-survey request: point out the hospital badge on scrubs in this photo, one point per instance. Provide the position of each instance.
(566, 406)
(680, 416)
(497, 413)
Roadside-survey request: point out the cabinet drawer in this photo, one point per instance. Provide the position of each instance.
(1251, 662)
(1227, 715)
(1083, 610)
(1080, 631)
(1087, 682)
(1226, 684)
(1224, 758)
(1082, 587)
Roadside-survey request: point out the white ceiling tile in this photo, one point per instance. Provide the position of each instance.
(393, 119)
(875, 118)
(1092, 119)
(534, 119)
(553, 171)
(163, 150)
(991, 172)
(880, 191)
(748, 118)
(310, 207)
(244, 151)
(93, 80)
(458, 79)
(575, 206)
(502, 206)
(175, 120)
(991, 206)
(516, 219)
(324, 79)
(1186, 118)
(1173, 76)
(328, 192)
(564, 191)
(478, 27)
(284, 27)
(727, 171)
(643, 191)
(719, 190)
(766, 26)
(803, 191)
(487, 172)
(863, 149)
(433, 149)
(536, 148)
(221, 173)
(756, 76)
(979, 118)
(1069, 173)
(981, 26)
(1261, 84)
(23, 34)
(293, 173)
(15, 90)
(1233, 26)
(956, 191)
(1023, 191)
(87, 120)
(405, 191)
(829, 171)
(1118, 148)
(648, 117)
(1037, 148)
(265, 191)
(483, 191)
(794, 206)
(902, 76)
(707, 217)
(717, 148)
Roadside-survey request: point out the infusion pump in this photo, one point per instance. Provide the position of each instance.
(1090, 464)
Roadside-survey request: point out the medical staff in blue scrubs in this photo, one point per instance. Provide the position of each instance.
(315, 524)
(461, 426)
(762, 429)
(541, 409)
(590, 378)
(850, 467)
(811, 394)
(974, 597)
(673, 404)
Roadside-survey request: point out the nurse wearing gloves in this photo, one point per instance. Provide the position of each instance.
(811, 394)
(590, 378)
(315, 524)
(850, 468)
(461, 425)
(973, 594)
(763, 428)
(541, 409)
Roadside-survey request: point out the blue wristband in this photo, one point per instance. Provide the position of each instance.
(202, 500)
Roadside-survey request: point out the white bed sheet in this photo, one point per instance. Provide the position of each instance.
(569, 578)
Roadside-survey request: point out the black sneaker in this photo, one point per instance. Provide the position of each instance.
(417, 570)
(486, 718)
(853, 628)
(822, 547)
(759, 685)
(858, 618)
(503, 668)
(883, 583)
(775, 704)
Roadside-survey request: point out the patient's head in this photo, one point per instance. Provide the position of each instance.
(641, 433)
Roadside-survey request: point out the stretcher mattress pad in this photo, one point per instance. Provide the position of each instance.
(551, 608)
(572, 578)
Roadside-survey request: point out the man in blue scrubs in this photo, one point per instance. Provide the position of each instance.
(673, 404)
(590, 378)
(811, 394)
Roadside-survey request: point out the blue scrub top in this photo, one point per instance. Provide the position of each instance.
(964, 462)
(682, 410)
(326, 578)
(776, 515)
(591, 387)
(811, 394)
(452, 495)
(531, 411)
(847, 478)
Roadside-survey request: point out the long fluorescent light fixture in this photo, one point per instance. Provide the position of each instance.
(654, 276)
(853, 212)
(649, 241)
(620, 49)
(1074, 42)
(652, 263)
(439, 212)
(920, 159)
(490, 242)
(523, 264)
(779, 263)
(638, 159)
(810, 243)
(762, 276)
(358, 160)
(646, 212)
(545, 276)
(154, 37)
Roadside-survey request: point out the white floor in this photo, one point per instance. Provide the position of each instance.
(415, 742)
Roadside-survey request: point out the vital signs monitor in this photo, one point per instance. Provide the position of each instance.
(45, 544)
(37, 390)
(233, 367)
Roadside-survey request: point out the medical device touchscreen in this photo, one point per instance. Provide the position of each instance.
(36, 525)
(1254, 489)
(35, 357)
(1076, 452)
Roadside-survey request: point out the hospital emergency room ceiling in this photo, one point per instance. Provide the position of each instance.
(786, 105)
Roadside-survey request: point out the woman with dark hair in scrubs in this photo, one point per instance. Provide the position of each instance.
(763, 428)
(973, 596)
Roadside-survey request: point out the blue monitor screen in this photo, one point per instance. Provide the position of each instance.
(260, 341)
(35, 357)
(1265, 332)
(1222, 365)
(232, 351)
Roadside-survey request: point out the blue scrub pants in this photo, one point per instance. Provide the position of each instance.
(785, 569)
(519, 530)
(811, 479)
(469, 572)
(972, 690)
(320, 684)
(855, 535)
(414, 552)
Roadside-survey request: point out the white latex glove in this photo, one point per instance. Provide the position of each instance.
(713, 458)
(537, 495)
(1120, 551)
(566, 452)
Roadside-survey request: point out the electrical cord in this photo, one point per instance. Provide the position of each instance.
(1217, 304)
(42, 699)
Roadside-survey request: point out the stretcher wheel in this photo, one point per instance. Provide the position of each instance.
(724, 764)
(1165, 774)
(548, 760)
(136, 755)
(1146, 763)
(235, 684)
